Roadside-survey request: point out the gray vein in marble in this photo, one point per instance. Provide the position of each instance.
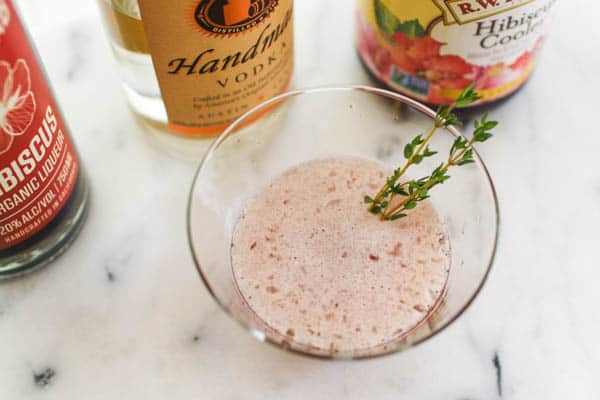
(78, 42)
(565, 49)
(209, 315)
(319, 48)
(110, 275)
(44, 377)
(482, 352)
(564, 260)
(498, 368)
(388, 147)
(120, 255)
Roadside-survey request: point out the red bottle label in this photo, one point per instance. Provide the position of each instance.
(38, 164)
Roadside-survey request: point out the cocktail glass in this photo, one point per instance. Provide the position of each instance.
(309, 124)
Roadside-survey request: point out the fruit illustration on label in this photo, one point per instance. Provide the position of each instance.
(432, 49)
(17, 103)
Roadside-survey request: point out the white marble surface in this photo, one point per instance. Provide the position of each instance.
(123, 315)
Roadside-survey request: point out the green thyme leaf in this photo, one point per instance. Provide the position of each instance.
(397, 216)
(428, 152)
(410, 205)
(408, 151)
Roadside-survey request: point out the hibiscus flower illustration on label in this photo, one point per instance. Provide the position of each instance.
(4, 16)
(17, 103)
(432, 49)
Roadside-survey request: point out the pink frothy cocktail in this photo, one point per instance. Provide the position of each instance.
(312, 264)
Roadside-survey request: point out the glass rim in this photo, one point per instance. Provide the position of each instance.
(328, 89)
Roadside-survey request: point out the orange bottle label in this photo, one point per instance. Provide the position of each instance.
(216, 59)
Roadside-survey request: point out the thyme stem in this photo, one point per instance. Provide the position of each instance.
(417, 190)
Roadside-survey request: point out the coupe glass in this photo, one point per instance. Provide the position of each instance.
(329, 122)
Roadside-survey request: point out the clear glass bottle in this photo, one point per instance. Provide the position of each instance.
(124, 24)
(192, 68)
(43, 188)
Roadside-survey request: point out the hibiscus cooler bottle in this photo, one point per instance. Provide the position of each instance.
(432, 49)
(43, 190)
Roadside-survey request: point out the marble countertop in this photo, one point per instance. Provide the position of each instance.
(123, 315)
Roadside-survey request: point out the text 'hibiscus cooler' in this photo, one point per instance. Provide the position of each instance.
(432, 49)
(43, 190)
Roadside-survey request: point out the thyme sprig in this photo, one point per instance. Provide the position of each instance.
(413, 191)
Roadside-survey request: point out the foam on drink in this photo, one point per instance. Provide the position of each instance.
(313, 265)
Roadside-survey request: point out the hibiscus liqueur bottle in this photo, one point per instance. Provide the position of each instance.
(190, 67)
(432, 49)
(43, 190)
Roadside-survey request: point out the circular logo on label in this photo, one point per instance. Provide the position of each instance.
(232, 16)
